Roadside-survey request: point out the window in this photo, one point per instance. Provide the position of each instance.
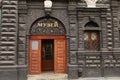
(91, 40)
(91, 36)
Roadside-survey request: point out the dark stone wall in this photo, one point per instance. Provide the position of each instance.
(18, 16)
(8, 40)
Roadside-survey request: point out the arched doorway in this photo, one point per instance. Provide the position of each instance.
(47, 46)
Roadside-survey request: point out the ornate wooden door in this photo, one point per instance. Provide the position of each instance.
(60, 56)
(35, 57)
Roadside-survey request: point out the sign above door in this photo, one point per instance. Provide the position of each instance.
(47, 26)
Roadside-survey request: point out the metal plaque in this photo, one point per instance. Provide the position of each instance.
(34, 45)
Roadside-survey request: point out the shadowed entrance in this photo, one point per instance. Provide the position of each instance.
(47, 55)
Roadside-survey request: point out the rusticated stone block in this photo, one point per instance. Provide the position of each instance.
(2, 58)
(13, 11)
(11, 58)
(14, 2)
(73, 46)
(3, 48)
(4, 29)
(11, 38)
(73, 57)
(7, 43)
(8, 25)
(8, 34)
(9, 7)
(9, 16)
(6, 11)
(21, 54)
(4, 38)
(21, 61)
(73, 41)
(73, 29)
(21, 47)
(73, 71)
(12, 29)
(7, 62)
(11, 48)
(22, 40)
(9, 11)
(22, 27)
(11, 53)
(5, 2)
(92, 72)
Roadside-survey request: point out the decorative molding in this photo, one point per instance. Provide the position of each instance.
(91, 3)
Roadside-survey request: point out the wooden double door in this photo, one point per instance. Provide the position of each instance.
(47, 53)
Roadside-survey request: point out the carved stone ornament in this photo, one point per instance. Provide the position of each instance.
(91, 3)
(47, 26)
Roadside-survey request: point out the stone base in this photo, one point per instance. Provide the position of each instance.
(92, 72)
(8, 74)
(13, 74)
(112, 72)
(22, 74)
(73, 71)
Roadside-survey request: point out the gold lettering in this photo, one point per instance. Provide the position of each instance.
(44, 24)
(51, 25)
(55, 24)
(40, 24)
(48, 25)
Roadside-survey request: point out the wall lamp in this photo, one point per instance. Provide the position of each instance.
(48, 6)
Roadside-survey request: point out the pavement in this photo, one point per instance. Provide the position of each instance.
(52, 76)
(98, 78)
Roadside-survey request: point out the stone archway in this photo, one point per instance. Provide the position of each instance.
(50, 31)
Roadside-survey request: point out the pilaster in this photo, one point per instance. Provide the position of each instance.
(8, 40)
(114, 8)
(109, 30)
(73, 67)
(103, 32)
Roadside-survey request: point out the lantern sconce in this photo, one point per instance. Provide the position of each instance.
(48, 6)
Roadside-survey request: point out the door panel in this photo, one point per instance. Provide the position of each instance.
(35, 57)
(36, 65)
(60, 56)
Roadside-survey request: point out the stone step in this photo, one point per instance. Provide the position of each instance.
(48, 76)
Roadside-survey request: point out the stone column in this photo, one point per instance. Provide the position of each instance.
(22, 42)
(109, 30)
(104, 31)
(73, 67)
(114, 7)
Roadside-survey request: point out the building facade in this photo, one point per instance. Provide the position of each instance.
(78, 37)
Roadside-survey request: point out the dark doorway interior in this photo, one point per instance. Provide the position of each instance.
(47, 55)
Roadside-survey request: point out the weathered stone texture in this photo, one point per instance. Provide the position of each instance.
(9, 32)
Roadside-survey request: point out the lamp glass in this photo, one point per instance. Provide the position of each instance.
(47, 3)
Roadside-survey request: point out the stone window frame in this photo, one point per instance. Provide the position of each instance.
(90, 30)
